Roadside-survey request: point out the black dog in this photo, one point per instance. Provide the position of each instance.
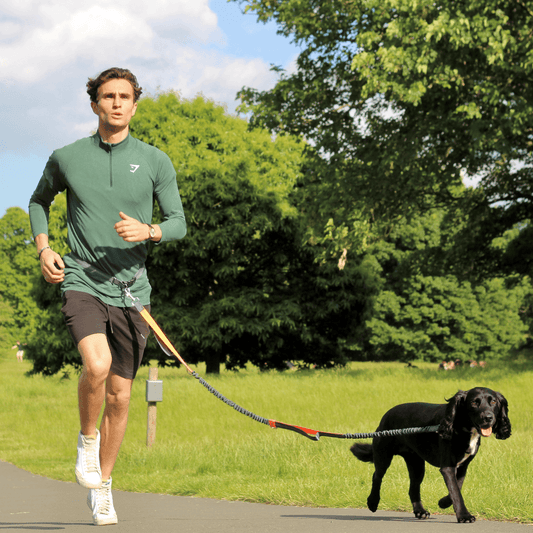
(467, 416)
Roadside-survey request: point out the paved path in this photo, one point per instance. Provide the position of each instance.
(34, 503)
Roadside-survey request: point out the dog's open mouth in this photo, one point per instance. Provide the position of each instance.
(487, 432)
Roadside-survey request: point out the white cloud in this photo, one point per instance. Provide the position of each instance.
(9, 30)
(38, 38)
(50, 10)
(162, 41)
(83, 129)
(84, 35)
(231, 74)
(215, 75)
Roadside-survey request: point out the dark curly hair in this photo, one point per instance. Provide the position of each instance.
(110, 74)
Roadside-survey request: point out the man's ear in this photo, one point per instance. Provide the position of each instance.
(94, 107)
(134, 109)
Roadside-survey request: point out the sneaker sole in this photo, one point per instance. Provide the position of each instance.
(81, 481)
(106, 522)
(102, 522)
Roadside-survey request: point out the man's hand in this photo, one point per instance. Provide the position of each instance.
(52, 266)
(131, 230)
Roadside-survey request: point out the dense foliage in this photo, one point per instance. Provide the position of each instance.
(35, 317)
(422, 311)
(18, 273)
(243, 285)
(401, 101)
(404, 98)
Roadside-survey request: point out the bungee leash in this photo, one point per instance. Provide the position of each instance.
(169, 349)
(311, 434)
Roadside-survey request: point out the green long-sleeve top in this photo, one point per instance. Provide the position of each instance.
(101, 180)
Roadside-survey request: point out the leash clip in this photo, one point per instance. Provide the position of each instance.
(125, 286)
(135, 302)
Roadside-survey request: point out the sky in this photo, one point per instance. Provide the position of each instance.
(49, 48)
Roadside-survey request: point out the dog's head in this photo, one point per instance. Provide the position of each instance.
(480, 408)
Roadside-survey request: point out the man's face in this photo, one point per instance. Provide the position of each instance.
(116, 106)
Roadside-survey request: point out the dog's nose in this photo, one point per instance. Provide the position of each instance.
(488, 418)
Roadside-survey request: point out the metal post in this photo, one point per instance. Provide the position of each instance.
(154, 394)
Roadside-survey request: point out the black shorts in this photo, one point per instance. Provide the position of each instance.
(124, 328)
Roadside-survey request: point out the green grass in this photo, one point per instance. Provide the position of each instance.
(204, 448)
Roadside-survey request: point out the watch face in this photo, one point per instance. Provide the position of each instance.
(152, 232)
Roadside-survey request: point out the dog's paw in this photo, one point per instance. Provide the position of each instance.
(420, 512)
(372, 505)
(445, 502)
(466, 519)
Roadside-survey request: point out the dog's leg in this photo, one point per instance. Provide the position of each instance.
(454, 493)
(382, 462)
(417, 469)
(445, 502)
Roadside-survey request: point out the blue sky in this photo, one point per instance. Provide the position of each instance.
(48, 49)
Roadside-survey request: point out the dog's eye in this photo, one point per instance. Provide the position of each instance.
(493, 402)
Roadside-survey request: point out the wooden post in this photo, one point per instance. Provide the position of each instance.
(152, 413)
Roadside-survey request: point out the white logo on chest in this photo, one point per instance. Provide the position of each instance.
(134, 167)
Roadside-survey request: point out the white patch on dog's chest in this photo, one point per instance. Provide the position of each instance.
(472, 447)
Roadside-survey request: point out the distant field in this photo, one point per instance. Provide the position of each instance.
(204, 448)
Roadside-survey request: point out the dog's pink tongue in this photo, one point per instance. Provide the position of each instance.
(486, 432)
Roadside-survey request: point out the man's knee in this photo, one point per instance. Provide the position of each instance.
(118, 392)
(96, 357)
(118, 399)
(96, 370)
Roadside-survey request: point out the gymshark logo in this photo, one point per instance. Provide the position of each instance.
(134, 167)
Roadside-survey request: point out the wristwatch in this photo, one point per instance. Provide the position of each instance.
(152, 231)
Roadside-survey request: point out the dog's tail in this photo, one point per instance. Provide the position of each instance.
(363, 452)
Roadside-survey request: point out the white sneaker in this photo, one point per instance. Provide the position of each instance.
(88, 473)
(100, 501)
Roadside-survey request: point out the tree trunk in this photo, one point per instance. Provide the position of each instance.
(212, 362)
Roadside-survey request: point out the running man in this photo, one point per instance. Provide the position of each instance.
(111, 180)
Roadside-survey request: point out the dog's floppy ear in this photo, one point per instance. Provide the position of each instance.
(446, 426)
(502, 428)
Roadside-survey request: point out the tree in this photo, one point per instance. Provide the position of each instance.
(18, 272)
(421, 313)
(241, 286)
(438, 318)
(405, 97)
(6, 324)
(35, 305)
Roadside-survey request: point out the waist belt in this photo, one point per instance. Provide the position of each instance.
(91, 269)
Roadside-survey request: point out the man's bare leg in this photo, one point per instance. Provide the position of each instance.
(96, 358)
(114, 421)
(97, 383)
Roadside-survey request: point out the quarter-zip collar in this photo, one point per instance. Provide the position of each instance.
(112, 149)
(108, 147)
